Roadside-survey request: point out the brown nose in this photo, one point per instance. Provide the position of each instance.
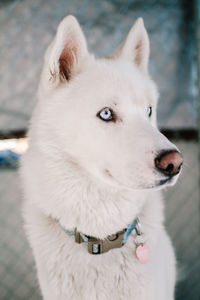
(169, 162)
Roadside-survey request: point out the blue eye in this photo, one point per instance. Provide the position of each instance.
(105, 114)
(149, 111)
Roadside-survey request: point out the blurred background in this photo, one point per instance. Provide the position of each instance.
(26, 29)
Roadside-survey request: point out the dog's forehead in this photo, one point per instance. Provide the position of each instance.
(117, 81)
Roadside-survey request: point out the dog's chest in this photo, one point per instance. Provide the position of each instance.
(76, 274)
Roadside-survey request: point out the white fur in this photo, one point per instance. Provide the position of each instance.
(94, 175)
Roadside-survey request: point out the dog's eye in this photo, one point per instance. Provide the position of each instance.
(105, 114)
(149, 111)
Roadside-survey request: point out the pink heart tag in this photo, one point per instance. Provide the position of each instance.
(142, 253)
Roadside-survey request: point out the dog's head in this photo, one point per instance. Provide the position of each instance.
(101, 113)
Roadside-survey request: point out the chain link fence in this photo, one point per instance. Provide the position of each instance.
(28, 26)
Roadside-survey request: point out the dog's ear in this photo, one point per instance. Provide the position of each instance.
(136, 46)
(65, 56)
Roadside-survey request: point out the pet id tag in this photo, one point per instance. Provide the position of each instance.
(142, 250)
(142, 253)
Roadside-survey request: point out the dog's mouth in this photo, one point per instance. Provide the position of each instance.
(166, 181)
(163, 181)
(158, 184)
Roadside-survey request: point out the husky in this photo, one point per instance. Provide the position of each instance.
(93, 172)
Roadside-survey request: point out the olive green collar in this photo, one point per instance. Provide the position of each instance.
(99, 246)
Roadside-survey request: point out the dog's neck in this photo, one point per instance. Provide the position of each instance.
(94, 208)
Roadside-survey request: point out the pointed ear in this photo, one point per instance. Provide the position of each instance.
(65, 55)
(136, 46)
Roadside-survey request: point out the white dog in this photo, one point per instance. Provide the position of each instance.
(91, 175)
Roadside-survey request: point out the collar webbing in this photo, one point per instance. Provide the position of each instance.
(99, 246)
